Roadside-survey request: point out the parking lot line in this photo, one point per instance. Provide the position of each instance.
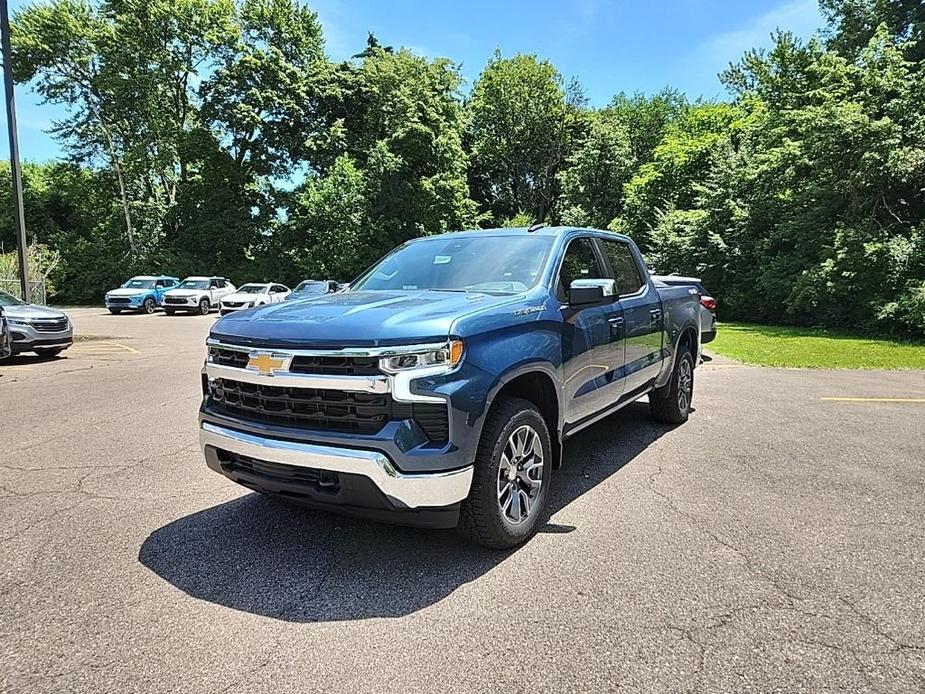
(858, 399)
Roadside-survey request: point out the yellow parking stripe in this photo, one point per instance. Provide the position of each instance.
(833, 399)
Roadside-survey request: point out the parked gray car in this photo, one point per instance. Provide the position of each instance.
(707, 303)
(45, 331)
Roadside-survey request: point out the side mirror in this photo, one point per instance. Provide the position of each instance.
(589, 292)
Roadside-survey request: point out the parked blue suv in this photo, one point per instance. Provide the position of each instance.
(143, 293)
(439, 389)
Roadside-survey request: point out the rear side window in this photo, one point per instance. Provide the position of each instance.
(580, 263)
(625, 270)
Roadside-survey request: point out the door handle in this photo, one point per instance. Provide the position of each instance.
(615, 320)
(656, 314)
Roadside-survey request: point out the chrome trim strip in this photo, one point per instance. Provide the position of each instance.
(360, 384)
(407, 490)
(344, 352)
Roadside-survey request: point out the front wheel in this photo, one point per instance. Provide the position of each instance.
(49, 353)
(672, 402)
(149, 305)
(115, 311)
(507, 500)
(204, 307)
(169, 311)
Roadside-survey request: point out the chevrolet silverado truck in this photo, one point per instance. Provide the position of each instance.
(440, 388)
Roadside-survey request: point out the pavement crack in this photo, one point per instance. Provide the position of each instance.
(750, 564)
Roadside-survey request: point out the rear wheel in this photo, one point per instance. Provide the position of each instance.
(204, 306)
(49, 353)
(115, 311)
(507, 500)
(149, 305)
(672, 402)
(169, 311)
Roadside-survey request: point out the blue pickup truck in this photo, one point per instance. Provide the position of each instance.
(439, 389)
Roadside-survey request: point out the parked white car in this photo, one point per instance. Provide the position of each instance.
(253, 294)
(197, 295)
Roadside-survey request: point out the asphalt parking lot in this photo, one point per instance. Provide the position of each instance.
(776, 542)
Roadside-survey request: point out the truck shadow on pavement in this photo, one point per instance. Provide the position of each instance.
(270, 558)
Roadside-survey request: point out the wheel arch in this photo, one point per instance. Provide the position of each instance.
(536, 382)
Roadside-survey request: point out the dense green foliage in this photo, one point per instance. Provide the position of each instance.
(216, 136)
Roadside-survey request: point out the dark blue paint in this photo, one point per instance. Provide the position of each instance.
(591, 363)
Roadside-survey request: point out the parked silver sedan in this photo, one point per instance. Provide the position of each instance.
(33, 328)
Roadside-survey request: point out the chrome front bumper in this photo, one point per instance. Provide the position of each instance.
(409, 491)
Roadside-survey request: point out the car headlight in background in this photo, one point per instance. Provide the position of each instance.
(446, 356)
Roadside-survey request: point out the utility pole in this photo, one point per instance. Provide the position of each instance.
(18, 211)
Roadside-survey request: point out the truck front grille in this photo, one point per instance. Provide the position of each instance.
(323, 409)
(322, 365)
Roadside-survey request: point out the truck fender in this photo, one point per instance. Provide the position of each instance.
(523, 369)
(665, 374)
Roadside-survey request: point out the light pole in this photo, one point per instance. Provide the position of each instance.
(18, 212)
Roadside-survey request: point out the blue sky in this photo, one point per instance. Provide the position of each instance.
(609, 45)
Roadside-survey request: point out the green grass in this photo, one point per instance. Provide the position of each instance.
(771, 345)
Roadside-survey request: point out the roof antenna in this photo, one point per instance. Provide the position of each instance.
(536, 226)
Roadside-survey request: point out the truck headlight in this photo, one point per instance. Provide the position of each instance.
(448, 356)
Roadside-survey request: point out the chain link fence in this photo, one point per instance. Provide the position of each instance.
(37, 294)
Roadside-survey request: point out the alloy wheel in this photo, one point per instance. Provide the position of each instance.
(520, 474)
(685, 384)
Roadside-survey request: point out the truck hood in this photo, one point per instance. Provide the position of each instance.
(126, 291)
(356, 319)
(31, 311)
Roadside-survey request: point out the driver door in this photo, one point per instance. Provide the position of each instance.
(592, 340)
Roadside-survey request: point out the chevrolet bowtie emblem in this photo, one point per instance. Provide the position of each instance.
(266, 363)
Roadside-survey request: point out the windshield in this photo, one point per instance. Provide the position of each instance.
(139, 284)
(253, 289)
(10, 300)
(311, 287)
(194, 284)
(491, 264)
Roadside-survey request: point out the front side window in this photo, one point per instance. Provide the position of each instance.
(580, 263)
(477, 263)
(194, 284)
(623, 265)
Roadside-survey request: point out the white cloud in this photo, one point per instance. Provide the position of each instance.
(798, 16)
(712, 56)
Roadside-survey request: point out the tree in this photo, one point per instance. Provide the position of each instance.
(647, 118)
(523, 124)
(596, 173)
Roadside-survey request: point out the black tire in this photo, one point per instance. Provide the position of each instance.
(204, 306)
(115, 311)
(672, 402)
(49, 353)
(484, 515)
(149, 306)
(169, 311)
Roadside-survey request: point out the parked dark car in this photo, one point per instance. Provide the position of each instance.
(707, 302)
(6, 341)
(439, 389)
